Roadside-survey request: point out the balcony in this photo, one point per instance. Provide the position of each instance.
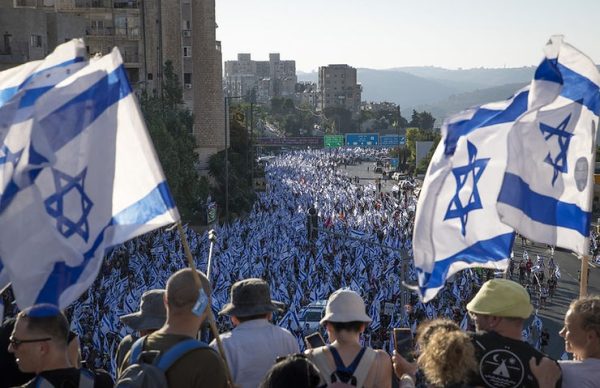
(93, 4)
(128, 4)
(26, 3)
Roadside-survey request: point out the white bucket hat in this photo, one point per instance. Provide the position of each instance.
(345, 306)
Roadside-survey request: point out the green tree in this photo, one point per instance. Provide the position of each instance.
(241, 191)
(413, 135)
(422, 120)
(170, 127)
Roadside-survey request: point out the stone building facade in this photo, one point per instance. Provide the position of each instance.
(148, 33)
(338, 87)
(265, 79)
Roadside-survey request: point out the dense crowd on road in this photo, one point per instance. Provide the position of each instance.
(363, 244)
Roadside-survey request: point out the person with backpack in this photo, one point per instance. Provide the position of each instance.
(345, 362)
(150, 318)
(39, 342)
(171, 356)
(252, 347)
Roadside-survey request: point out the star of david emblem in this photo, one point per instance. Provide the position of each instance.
(473, 169)
(559, 163)
(8, 156)
(55, 204)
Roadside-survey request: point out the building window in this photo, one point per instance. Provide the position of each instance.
(187, 51)
(187, 78)
(150, 77)
(187, 25)
(36, 40)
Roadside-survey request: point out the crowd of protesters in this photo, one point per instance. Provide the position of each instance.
(272, 244)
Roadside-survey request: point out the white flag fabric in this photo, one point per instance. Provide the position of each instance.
(20, 87)
(456, 223)
(548, 184)
(87, 179)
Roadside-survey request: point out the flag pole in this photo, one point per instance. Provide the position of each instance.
(585, 258)
(211, 318)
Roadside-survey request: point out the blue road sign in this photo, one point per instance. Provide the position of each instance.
(362, 139)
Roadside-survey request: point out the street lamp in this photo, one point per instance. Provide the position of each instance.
(226, 103)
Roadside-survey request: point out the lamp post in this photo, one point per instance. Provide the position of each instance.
(226, 103)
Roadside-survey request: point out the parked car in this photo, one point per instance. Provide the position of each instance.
(311, 315)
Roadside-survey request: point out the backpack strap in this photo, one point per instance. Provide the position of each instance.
(169, 357)
(41, 382)
(339, 364)
(319, 357)
(86, 378)
(362, 369)
(136, 350)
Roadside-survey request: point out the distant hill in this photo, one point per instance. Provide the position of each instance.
(457, 102)
(437, 90)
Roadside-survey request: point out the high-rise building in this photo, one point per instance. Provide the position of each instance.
(338, 88)
(264, 79)
(29, 30)
(148, 33)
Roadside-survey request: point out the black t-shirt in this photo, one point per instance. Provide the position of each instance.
(503, 362)
(69, 378)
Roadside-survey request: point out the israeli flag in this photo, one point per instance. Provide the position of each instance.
(548, 185)
(87, 179)
(456, 223)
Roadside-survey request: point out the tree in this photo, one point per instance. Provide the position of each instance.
(170, 127)
(241, 191)
(422, 120)
(413, 135)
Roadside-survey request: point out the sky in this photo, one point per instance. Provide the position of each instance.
(383, 34)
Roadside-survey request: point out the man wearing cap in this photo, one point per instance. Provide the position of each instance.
(39, 342)
(252, 347)
(197, 368)
(345, 360)
(499, 310)
(151, 317)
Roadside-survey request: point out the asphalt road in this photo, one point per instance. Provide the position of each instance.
(568, 289)
(568, 286)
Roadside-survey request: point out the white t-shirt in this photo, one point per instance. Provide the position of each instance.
(580, 374)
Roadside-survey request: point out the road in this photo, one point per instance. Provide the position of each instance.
(568, 286)
(568, 290)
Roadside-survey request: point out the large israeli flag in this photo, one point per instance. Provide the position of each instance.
(20, 87)
(548, 185)
(86, 179)
(457, 225)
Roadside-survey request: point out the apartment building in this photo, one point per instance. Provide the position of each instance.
(338, 87)
(148, 33)
(264, 79)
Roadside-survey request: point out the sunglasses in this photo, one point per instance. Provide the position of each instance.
(15, 342)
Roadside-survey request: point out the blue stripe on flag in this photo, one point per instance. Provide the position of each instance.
(71, 119)
(30, 96)
(576, 86)
(484, 118)
(547, 71)
(157, 202)
(484, 251)
(541, 208)
(7, 93)
(63, 276)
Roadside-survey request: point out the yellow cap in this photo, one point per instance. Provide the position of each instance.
(502, 298)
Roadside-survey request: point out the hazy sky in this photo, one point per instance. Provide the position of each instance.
(382, 34)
